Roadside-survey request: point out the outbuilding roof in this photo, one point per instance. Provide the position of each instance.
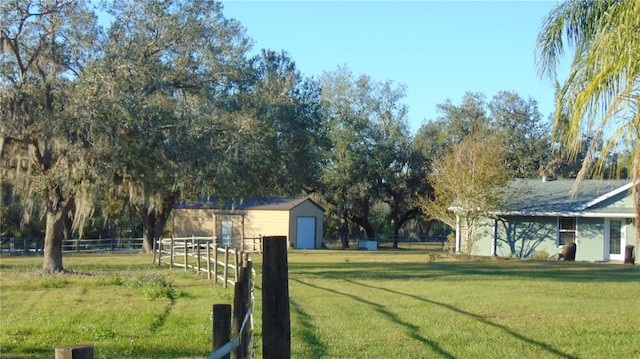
(557, 198)
(270, 203)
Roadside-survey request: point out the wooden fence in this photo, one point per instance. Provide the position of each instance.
(201, 254)
(229, 266)
(251, 244)
(276, 319)
(234, 337)
(426, 243)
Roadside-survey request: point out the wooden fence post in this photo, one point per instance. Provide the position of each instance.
(226, 266)
(160, 248)
(153, 248)
(74, 352)
(247, 268)
(221, 326)
(186, 254)
(239, 311)
(198, 256)
(235, 263)
(208, 260)
(276, 320)
(215, 263)
(171, 254)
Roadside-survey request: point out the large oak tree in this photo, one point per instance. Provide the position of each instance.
(168, 70)
(44, 148)
(368, 161)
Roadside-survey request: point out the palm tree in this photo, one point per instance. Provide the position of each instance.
(601, 95)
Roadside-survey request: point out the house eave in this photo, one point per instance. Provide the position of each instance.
(606, 196)
(565, 214)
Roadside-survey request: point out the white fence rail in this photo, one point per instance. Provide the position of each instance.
(36, 245)
(201, 254)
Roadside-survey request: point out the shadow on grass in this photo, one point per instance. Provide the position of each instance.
(30, 352)
(414, 331)
(105, 352)
(161, 318)
(541, 345)
(480, 270)
(308, 331)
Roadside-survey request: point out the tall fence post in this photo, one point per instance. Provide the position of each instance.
(221, 326)
(276, 320)
(239, 311)
(247, 268)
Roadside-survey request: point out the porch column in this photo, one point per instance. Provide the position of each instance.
(494, 239)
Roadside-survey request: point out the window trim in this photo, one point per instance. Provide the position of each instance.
(564, 230)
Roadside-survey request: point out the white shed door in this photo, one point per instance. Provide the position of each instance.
(306, 233)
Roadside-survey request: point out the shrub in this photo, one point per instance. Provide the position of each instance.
(541, 255)
(153, 285)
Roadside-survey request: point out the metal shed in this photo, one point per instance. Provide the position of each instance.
(237, 223)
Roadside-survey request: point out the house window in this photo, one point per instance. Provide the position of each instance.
(566, 230)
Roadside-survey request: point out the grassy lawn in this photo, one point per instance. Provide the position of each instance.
(344, 304)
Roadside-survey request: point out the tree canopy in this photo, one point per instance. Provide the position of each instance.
(170, 102)
(370, 152)
(468, 183)
(165, 104)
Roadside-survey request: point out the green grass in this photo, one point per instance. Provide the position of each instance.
(344, 304)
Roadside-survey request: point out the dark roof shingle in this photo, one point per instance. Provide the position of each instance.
(271, 203)
(536, 197)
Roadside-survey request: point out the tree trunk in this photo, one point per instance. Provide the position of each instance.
(153, 222)
(53, 236)
(470, 234)
(343, 231)
(364, 223)
(148, 231)
(399, 219)
(396, 234)
(152, 228)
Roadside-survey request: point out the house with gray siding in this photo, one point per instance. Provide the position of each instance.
(545, 215)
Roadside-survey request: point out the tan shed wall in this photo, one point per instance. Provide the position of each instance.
(193, 222)
(266, 223)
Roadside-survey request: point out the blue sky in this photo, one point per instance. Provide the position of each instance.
(439, 50)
